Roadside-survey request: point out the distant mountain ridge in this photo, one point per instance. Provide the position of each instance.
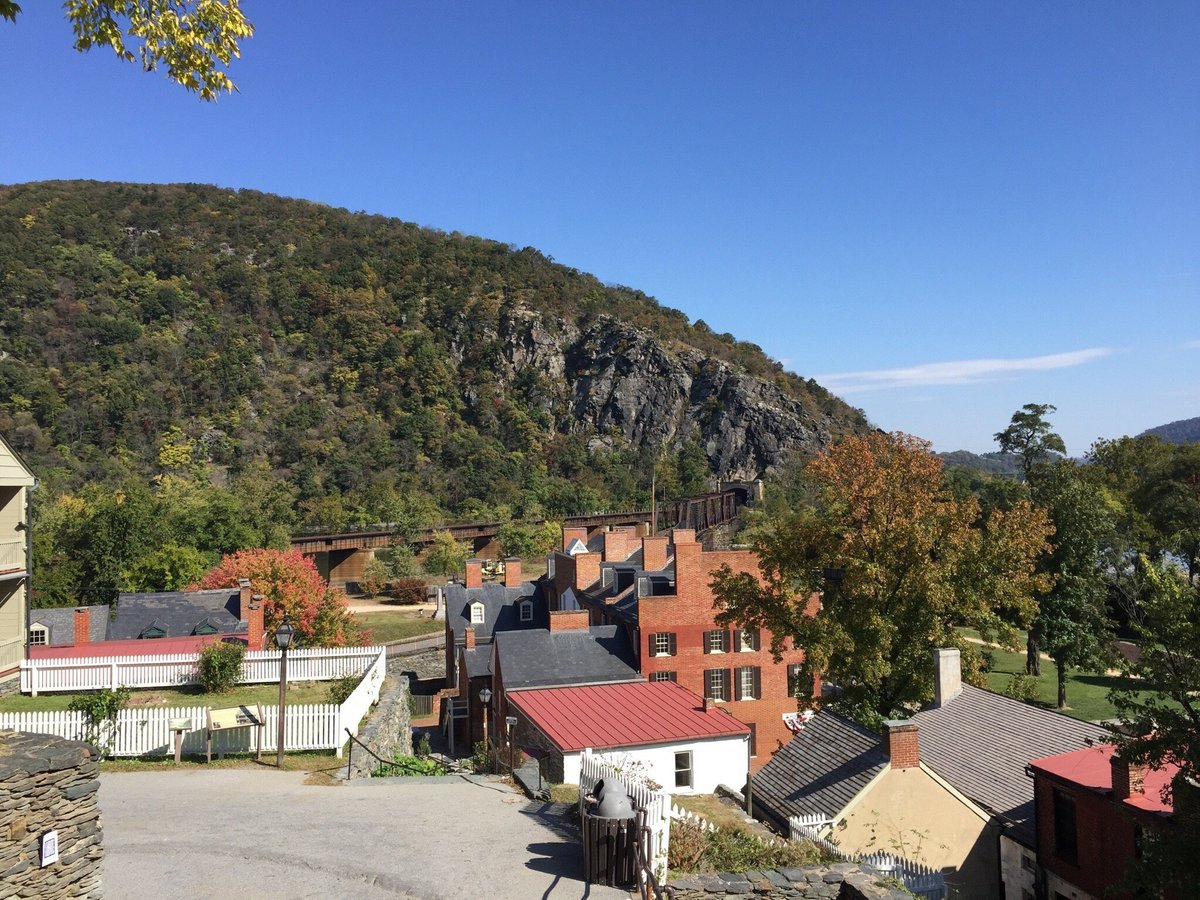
(150, 326)
(1183, 431)
(1003, 464)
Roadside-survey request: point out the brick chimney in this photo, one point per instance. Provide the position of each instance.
(683, 536)
(512, 572)
(947, 676)
(1128, 779)
(587, 570)
(900, 743)
(83, 626)
(571, 533)
(618, 544)
(654, 553)
(474, 573)
(469, 634)
(244, 595)
(709, 704)
(252, 613)
(569, 620)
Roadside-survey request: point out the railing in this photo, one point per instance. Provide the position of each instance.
(172, 669)
(146, 732)
(657, 805)
(922, 880)
(12, 556)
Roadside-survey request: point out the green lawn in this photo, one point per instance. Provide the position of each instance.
(266, 694)
(1087, 693)
(394, 626)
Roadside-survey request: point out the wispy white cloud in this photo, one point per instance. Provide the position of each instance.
(965, 371)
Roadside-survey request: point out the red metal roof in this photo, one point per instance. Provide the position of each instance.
(623, 715)
(140, 647)
(1090, 768)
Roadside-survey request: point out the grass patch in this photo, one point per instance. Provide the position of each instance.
(307, 761)
(564, 793)
(187, 695)
(1087, 692)
(711, 807)
(395, 626)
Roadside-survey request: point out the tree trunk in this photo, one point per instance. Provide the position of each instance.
(1062, 684)
(1033, 656)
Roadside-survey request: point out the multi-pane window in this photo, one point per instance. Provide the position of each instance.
(663, 676)
(476, 613)
(746, 640)
(716, 642)
(1066, 841)
(683, 768)
(716, 684)
(662, 643)
(795, 689)
(526, 611)
(748, 683)
(39, 636)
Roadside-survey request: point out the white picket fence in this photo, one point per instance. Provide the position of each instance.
(922, 880)
(686, 815)
(174, 669)
(145, 732)
(657, 805)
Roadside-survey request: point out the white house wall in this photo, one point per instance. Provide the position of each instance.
(714, 761)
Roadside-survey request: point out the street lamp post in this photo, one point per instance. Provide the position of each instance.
(283, 640)
(511, 726)
(485, 697)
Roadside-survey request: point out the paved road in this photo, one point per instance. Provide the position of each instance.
(255, 833)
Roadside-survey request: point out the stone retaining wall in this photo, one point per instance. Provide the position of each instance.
(388, 731)
(840, 881)
(48, 783)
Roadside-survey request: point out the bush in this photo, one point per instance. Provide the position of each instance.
(409, 766)
(408, 591)
(693, 849)
(687, 847)
(374, 577)
(340, 689)
(220, 666)
(1022, 687)
(424, 748)
(100, 710)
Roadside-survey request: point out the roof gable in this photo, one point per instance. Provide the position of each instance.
(542, 658)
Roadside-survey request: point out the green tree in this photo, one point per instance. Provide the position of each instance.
(1161, 720)
(1029, 436)
(1072, 624)
(169, 568)
(195, 39)
(445, 555)
(899, 562)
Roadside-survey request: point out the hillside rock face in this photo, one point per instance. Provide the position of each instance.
(615, 379)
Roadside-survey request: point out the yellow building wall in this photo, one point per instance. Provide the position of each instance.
(12, 590)
(910, 813)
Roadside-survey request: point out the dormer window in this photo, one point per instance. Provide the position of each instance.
(205, 627)
(154, 630)
(39, 635)
(526, 607)
(476, 613)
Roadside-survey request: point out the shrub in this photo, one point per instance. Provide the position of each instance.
(694, 849)
(409, 766)
(1022, 687)
(340, 689)
(408, 590)
(100, 710)
(687, 846)
(374, 577)
(220, 666)
(423, 746)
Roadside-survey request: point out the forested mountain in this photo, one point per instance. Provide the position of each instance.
(1185, 431)
(1005, 464)
(366, 363)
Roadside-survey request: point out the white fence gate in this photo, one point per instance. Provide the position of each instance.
(145, 732)
(657, 805)
(174, 669)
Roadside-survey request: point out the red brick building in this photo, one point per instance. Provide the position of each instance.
(657, 587)
(1092, 808)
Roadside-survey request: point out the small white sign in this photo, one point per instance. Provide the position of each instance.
(49, 848)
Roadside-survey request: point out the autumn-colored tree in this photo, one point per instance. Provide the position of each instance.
(291, 584)
(900, 562)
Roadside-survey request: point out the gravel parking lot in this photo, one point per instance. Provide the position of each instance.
(257, 833)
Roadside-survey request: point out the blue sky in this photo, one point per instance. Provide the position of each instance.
(941, 211)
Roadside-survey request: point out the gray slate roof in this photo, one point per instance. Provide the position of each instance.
(980, 742)
(500, 611)
(61, 623)
(176, 612)
(479, 661)
(600, 654)
(818, 771)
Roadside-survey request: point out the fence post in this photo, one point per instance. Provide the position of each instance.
(113, 686)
